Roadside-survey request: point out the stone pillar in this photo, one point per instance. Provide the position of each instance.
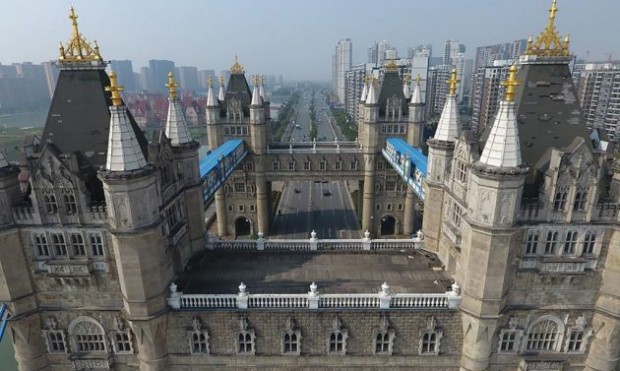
(151, 341)
(477, 343)
(409, 218)
(605, 347)
(368, 198)
(262, 208)
(220, 210)
(29, 343)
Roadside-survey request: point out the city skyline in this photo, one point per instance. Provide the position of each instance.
(272, 38)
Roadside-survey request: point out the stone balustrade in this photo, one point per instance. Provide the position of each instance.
(316, 244)
(314, 300)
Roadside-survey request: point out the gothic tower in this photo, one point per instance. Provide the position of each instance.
(144, 271)
(440, 154)
(415, 130)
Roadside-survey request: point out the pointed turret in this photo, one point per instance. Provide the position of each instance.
(406, 89)
(371, 97)
(176, 124)
(502, 148)
(256, 97)
(448, 128)
(261, 88)
(124, 152)
(364, 90)
(211, 96)
(220, 96)
(416, 97)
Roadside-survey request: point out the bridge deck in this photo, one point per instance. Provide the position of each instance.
(220, 272)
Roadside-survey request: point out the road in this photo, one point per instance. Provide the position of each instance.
(324, 207)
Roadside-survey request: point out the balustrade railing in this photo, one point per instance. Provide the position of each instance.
(314, 300)
(315, 244)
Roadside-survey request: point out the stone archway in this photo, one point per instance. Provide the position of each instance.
(243, 226)
(388, 225)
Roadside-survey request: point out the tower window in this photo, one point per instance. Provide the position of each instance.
(246, 343)
(560, 201)
(552, 241)
(70, 204)
(50, 204)
(588, 243)
(96, 244)
(291, 343)
(531, 246)
(336, 342)
(543, 336)
(307, 165)
(580, 201)
(199, 342)
(429, 343)
(40, 244)
(60, 247)
(77, 244)
(339, 165)
(276, 165)
(570, 243)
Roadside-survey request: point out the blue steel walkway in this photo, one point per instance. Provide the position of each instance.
(409, 162)
(218, 164)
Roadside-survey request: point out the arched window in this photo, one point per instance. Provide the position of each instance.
(199, 343)
(570, 243)
(60, 247)
(430, 339)
(552, 241)
(336, 342)
(70, 204)
(245, 343)
(87, 336)
(588, 243)
(531, 246)
(545, 335)
(560, 201)
(337, 338)
(291, 341)
(580, 201)
(50, 203)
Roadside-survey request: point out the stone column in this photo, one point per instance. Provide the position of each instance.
(220, 210)
(29, 343)
(409, 213)
(151, 341)
(262, 207)
(368, 197)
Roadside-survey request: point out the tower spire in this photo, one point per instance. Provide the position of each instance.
(448, 128)
(256, 99)
(371, 97)
(78, 49)
(365, 89)
(406, 89)
(503, 148)
(549, 43)
(261, 88)
(221, 93)
(416, 97)
(124, 152)
(176, 124)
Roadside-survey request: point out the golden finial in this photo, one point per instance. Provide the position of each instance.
(172, 86)
(78, 49)
(115, 89)
(418, 78)
(453, 81)
(373, 80)
(510, 84)
(391, 65)
(222, 81)
(549, 43)
(210, 81)
(366, 78)
(236, 68)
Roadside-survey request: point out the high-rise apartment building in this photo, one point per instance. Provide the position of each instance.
(343, 60)
(158, 74)
(437, 89)
(487, 94)
(124, 72)
(354, 79)
(599, 95)
(51, 74)
(188, 79)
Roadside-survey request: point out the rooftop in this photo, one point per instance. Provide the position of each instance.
(263, 272)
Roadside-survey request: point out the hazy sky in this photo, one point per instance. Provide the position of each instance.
(294, 38)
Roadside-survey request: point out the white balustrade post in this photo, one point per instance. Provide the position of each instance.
(242, 299)
(174, 301)
(313, 297)
(384, 296)
(454, 296)
(366, 241)
(314, 242)
(418, 240)
(260, 242)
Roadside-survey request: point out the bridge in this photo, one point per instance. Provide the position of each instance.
(217, 165)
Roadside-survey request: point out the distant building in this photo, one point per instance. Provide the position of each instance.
(124, 73)
(144, 82)
(51, 74)
(158, 74)
(354, 81)
(188, 79)
(599, 94)
(437, 89)
(488, 94)
(343, 59)
(203, 78)
(419, 68)
(23, 86)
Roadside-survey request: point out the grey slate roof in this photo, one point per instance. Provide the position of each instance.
(392, 85)
(79, 116)
(239, 89)
(548, 111)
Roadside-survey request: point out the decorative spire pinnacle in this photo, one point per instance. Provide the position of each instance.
(406, 90)
(549, 43)
(176, 124)
(391, 65)
(503, 148)
(261, 88)
(236, 68)
(115, 89)
(78, 49)
(172, 86)
(210, 95)
(510, 84)
(416, 97)
(221, 93)
(453, 81)
(371, 98)
(256, 100)
(365, 89)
